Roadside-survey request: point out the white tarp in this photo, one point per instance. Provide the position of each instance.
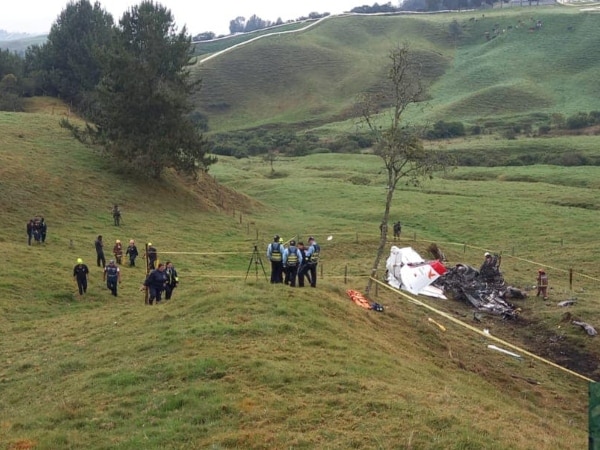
(408, 271)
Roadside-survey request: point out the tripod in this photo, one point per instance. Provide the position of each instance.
(255, 258)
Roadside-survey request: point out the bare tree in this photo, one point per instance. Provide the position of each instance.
(397, 144)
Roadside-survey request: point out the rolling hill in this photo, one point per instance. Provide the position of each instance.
(500, 65)
(234, 362)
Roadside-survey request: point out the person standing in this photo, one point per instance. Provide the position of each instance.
(112, 276)
(118, 251)
(80, 273)
(303, 268)
(155, 283)
(116, 213)
(37, 230)
(43, 230)
(292, 260)
(542, 284)
(275, 255)
(172, 280)
(132, 252)
(29, 231)
(397, 230)
(312, 255)
(100, 259)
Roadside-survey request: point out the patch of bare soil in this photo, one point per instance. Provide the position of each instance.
(214, 196)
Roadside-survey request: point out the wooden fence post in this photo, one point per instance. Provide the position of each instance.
(346, 274)
(571, 279)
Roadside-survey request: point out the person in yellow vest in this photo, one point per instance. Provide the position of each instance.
(275, 255)
(542, 284)
(292, 260)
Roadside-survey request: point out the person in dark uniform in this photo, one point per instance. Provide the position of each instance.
(100, 259)
(37, 230)
(132, 252)
(397, 230)
(80, 273)
(43, 230)
(312, 255)
(302, 270)
(29, 231)
(116, 213)
(275, 255)
(172, 280)
(112, 276)
(155, 283)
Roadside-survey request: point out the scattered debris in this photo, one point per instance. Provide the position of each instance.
(568, 302)
(408, 271)
(361, 301)
(587, 327)
(501, 350)
(484, 289)
(441, 327)
(529, 380)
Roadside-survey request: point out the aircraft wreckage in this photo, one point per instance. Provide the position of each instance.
(484, 289)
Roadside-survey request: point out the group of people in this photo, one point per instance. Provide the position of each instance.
(36, 230)
(293, 262)
(397, 227)
(161, 279)
(131, 252)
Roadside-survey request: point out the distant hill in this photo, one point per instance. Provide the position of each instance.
(501, 64)
(18, 42)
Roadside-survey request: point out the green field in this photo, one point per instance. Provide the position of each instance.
(235, 363)
(312, 78)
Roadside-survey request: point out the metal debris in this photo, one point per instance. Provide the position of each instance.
(587, 327)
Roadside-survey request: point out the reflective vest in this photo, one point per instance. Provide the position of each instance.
(314, 257)
(276, 252)
(112, 272)
(292, 259)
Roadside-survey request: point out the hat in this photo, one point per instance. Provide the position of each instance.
(118, 241)
(131, 241)
(487, 254)
(79, 261)
(541, 271)
(149, 244)
(280, 241)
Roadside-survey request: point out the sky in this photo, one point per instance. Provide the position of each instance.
(37, 16)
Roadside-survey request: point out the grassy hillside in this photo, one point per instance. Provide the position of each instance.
(314, 77)
(230, 363)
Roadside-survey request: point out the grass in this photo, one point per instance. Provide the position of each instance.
(231, 363)
(312, 79)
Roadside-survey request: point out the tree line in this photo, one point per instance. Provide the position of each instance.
(129, 80)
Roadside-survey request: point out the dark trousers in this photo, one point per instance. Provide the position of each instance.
(82, 285)
(43, 236)
(302, 274)
(292, 272)
(29, 236)
(151, 264)
(101, 260)
(119, 258)
(276, 272)
(131, 261)
(312, 274)
(155, 294)
(111, 283)
(169, 291)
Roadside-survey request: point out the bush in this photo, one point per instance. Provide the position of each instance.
(476, 130)
(577, 121)
(442, 130)
(544, 129)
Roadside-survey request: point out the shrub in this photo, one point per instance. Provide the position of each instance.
(577, 121)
